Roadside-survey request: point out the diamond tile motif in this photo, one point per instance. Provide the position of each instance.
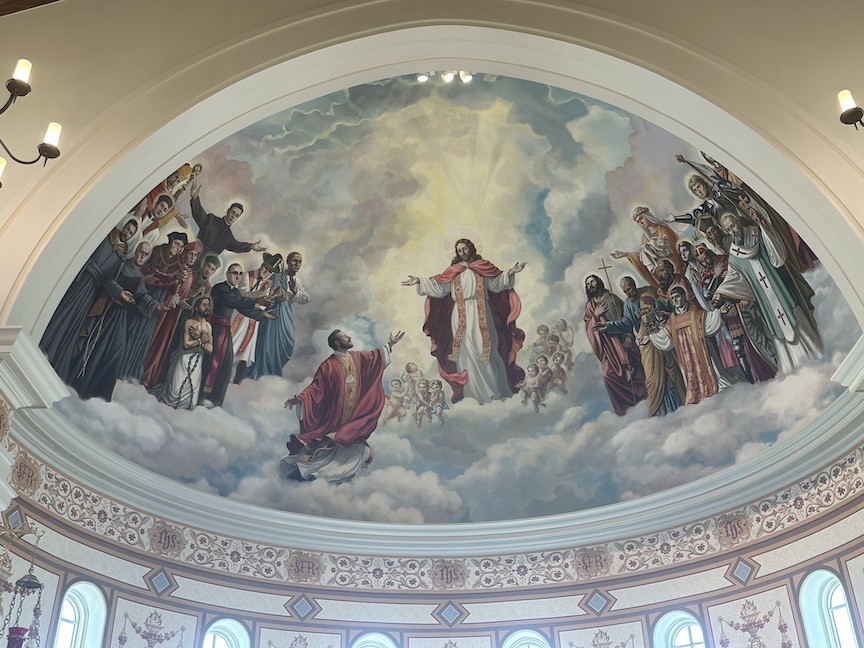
(15, 520)
(741, 571)
(450, 613)
(598, 602)
(302, 607)
(160, 582)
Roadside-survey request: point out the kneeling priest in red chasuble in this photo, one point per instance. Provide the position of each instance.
(345, 399)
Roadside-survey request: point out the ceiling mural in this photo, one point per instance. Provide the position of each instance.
(448, 302)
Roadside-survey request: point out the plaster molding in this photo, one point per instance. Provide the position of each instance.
(850, 373)
(27, 379)
(398, 564)
(65, 449)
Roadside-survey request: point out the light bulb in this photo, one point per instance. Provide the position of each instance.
(465, 76)
(846, 100)
(52, 135)
(422, 77)
(22, 71)
(2, 165)
(448, 76)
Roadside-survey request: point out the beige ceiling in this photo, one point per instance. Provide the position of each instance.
(14, 6)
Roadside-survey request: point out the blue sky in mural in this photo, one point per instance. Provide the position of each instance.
(376, 183)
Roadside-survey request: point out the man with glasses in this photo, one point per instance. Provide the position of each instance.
(227, 297)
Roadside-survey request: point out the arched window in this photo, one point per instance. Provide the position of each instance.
(525, 639)
(825, 611)
(678, 629)
(227, 633)
(374, 640)
(83, 613)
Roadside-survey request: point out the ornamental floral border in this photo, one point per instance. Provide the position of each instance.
(96, 513)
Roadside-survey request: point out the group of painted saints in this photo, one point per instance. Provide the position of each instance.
(148, 307)
(730, 304)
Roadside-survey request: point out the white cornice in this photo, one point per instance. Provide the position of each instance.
(26, 377)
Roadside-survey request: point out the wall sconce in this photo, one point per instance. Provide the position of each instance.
(19, 86)
(852, 114)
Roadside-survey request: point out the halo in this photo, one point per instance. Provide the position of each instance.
(454, 234)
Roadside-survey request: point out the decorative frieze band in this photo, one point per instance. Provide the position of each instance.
(99, 514)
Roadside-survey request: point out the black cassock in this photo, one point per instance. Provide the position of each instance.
(102, 344)
(217, 370)
(60, 338)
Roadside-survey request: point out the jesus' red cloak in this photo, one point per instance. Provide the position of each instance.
(505, 307)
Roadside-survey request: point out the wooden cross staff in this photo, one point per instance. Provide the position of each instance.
(604, 268)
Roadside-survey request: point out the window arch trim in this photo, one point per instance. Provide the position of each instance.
(374, 640)
(526, 639)
(670, 624)
(91, 615)
(818, 616)
(235, 633)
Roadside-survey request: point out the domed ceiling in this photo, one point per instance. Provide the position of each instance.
(408, 302)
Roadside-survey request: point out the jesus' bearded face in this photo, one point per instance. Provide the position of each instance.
(463, 251)
(593, 286)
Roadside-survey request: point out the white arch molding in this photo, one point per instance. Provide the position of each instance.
(56, 228)
(60, 235)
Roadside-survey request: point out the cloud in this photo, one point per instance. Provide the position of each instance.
(376, 183)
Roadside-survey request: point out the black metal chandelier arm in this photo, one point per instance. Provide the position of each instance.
(8, 103)
(12, 155)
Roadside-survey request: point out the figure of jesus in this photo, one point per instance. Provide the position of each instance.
(471, 320)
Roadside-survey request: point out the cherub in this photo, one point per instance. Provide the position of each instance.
(544, 373)
(553, 344)
(437, 400)
(423, 404)
(539, 345)
(559, 374)
(395, 402)
(566, 340)
(530, 387)
(410, 376)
